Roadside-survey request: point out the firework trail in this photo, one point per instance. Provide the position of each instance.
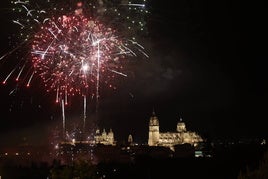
(85, 114)
(63, 119)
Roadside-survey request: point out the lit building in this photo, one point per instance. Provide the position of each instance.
(170, 139)
(104, 137)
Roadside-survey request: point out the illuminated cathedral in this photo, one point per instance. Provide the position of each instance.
(104, 137)
(170, 139)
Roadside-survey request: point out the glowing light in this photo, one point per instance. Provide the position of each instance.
(74, 48)
(85, 68)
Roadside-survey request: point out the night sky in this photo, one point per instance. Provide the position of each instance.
(207, 65)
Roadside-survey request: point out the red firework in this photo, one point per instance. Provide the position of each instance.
(70, 53)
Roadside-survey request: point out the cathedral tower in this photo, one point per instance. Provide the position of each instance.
(181, 126)
(153, 130)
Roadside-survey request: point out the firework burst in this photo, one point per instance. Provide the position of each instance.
(75, 48)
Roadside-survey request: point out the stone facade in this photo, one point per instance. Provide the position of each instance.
(104, 137)
(170, 139)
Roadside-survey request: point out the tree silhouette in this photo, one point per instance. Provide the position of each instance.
(79, 170)
(260, 173)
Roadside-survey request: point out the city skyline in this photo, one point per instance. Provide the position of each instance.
(206, 65)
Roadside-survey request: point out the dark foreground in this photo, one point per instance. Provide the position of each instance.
(225, 164)
(144, 167)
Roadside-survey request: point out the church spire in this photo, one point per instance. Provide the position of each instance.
(153, 113)
(180, 118)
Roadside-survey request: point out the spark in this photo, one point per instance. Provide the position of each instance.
(57, 95)
(45, 20)
(4, 82)
(37, 21)
(136, 5)
(118, 73)
(30, 79)
(13, 91)
(17, 79)
(74, 52)
(17, 22)
(21, 2)
(43, 11)
(29, 12)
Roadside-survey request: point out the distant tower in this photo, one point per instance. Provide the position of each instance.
(181, 126)
(130, 139)
(153, 130)
(110, 137)
(104, 134)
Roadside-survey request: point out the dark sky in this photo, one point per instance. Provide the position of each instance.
(207, 65)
